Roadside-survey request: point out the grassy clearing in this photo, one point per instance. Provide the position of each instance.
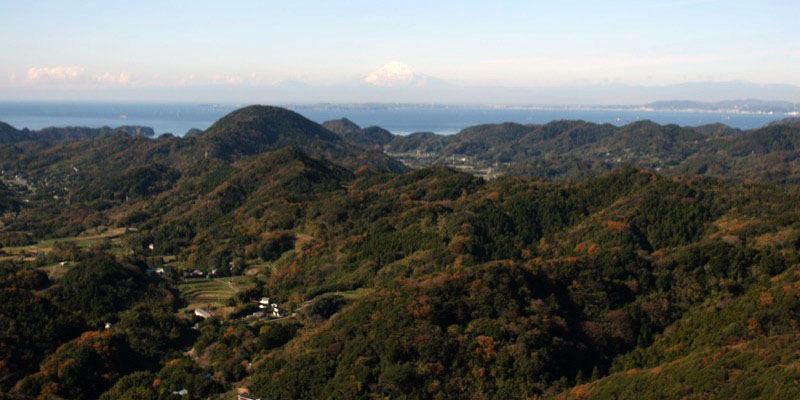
(356, 294)
(171, 261)
(28, 252)
(202, 292)
(351, 295)
(57, 271)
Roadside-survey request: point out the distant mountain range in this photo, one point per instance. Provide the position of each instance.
(578, 148)
(736, 106)
(430, 90)
(9, 134)
(746, 106)
(556, 149)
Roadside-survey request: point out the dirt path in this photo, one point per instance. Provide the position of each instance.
(230, 285)
(348, 294)
(111, 233)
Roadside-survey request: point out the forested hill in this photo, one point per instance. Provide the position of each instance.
(578, 149)
(246, 132)
(349, 131)
(257, 129)
(112, 167)
(269, 255)
(8, 200)
(559, 149)
(793, 122)
(10, 135)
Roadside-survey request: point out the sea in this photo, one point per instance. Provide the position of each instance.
(398, 119)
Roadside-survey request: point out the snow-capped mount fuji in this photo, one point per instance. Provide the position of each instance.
(394, 74)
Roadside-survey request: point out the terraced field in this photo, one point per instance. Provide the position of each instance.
(202, 292)
(28, 252)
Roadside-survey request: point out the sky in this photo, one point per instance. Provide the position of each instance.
(340, 50)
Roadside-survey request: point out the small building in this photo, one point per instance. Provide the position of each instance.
(278, 312)
(161, 271)
(202, 313)
(264, 303)
(248, 396)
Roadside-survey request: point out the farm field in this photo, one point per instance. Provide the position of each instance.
(213, 292)
(109, 239)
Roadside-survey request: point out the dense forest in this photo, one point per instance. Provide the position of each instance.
(578, 149)
(276, 256)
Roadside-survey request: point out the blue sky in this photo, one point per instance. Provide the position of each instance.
(50, 47)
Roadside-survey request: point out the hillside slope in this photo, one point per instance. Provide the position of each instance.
(10, 135)
(349, 131)
(257, 129)
(575, 149)
(726, 347)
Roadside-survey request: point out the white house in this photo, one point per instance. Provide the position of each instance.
(277, 312)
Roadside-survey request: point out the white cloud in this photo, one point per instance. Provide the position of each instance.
(187, 80)
(234, 79)
(57, 73)
(393, 73)
(201, 79)
(72, 76)
(122, 78)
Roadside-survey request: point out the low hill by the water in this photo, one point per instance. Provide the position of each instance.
(349, 131)
(793, 122)
(258, 129)
(577, 149)
(10, 135)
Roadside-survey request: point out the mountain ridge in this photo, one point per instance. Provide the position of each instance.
(574, 148)
(257, 129)
(10, 134)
